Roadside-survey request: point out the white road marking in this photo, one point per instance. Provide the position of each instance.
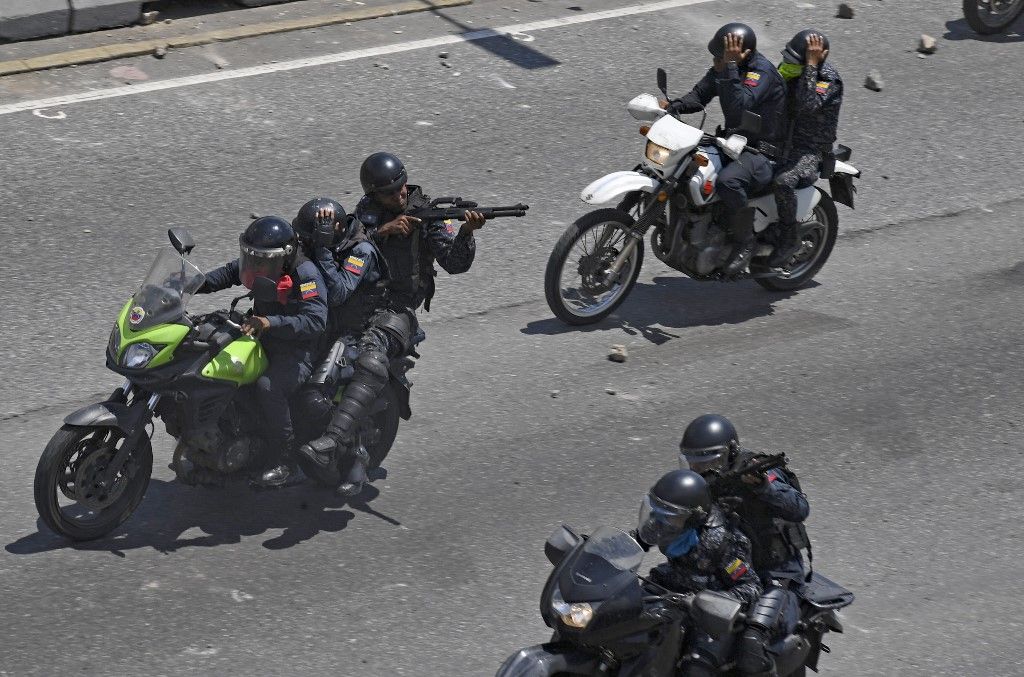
(340, 57)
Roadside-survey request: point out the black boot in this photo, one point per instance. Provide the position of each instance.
(353, 484)
(741, 229)
(281, 475)
(740, 257)
(787, 245)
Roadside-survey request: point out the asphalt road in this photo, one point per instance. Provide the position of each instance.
(894, 382)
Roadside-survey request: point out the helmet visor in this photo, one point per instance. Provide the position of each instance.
(660, 523)
(261, 262)
(701, 461)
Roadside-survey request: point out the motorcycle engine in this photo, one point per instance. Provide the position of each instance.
(692, 242)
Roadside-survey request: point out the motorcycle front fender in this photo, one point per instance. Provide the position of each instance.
(544, 660)
(105, 415)
(614, 186)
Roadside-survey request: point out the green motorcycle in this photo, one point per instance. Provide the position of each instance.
(192, 372)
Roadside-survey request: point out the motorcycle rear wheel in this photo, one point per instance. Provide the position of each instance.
(571, 305)
(818, 244)
(69, 467)
(992, 16)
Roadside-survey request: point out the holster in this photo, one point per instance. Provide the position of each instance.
(329, 370)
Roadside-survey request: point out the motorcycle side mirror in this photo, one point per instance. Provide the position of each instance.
(663, 81)
(559, 543)
(715, 613)
(181, 240)
(264, 289)
(750, 123)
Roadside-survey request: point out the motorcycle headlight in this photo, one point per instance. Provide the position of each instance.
(114, 344)
(576, 615)
(138, 355)
(657, 154)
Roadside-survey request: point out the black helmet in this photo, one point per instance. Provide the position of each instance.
(708, 443)
(680, 500)
(268, 248)
(717, 44)
(795, 50)
(311, 230)
(382, 173)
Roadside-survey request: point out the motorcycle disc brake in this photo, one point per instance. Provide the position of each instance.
(592, 267)
(88, 490)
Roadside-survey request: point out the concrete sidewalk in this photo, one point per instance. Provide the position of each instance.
(68, 50)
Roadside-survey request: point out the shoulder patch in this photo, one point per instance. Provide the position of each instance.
(309, 290)
(736, 569)
(821, 87)
(449, 226)
(354, 265)
(752, 79)
(772, 476)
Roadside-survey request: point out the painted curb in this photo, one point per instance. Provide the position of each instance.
(127, 49)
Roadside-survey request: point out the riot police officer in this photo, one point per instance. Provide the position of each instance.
(705, 551)
(743, 80)
(288, 328)
(357, 278)
(410, 246)
(815, 94)
(772, 509)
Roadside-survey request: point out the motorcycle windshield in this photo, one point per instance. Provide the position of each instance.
(170, 283)
(614, 548)
(605, 565)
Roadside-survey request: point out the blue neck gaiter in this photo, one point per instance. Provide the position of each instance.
(683, 544)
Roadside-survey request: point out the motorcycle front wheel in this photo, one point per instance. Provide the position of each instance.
(992, 16)
(576, 284)
(69, 495)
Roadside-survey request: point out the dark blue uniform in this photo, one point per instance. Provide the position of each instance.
(719, 560)
(358, 267)
(410, 259)
(814, 101)
(759, 88)
(771, 514)
(290, 343)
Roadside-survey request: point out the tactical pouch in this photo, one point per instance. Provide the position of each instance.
(796, 534)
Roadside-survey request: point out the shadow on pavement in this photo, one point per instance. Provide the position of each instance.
(958, 29)
(677, 303)
(504, 46)
(170, 509)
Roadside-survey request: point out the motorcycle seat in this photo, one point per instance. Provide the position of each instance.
(823, 593)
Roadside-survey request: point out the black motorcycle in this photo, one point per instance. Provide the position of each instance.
(608, 620)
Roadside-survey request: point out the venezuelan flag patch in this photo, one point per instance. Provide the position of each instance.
(308, 290)
(753, 78)
(354, 265)
(821, 87)
(736, 569)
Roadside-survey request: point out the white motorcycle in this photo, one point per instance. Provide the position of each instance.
(672, 193)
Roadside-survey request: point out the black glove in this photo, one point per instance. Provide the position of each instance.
(323, 230)
(684, 104)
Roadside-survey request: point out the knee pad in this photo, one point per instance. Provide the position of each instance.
(397, 325)
(371, 367)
